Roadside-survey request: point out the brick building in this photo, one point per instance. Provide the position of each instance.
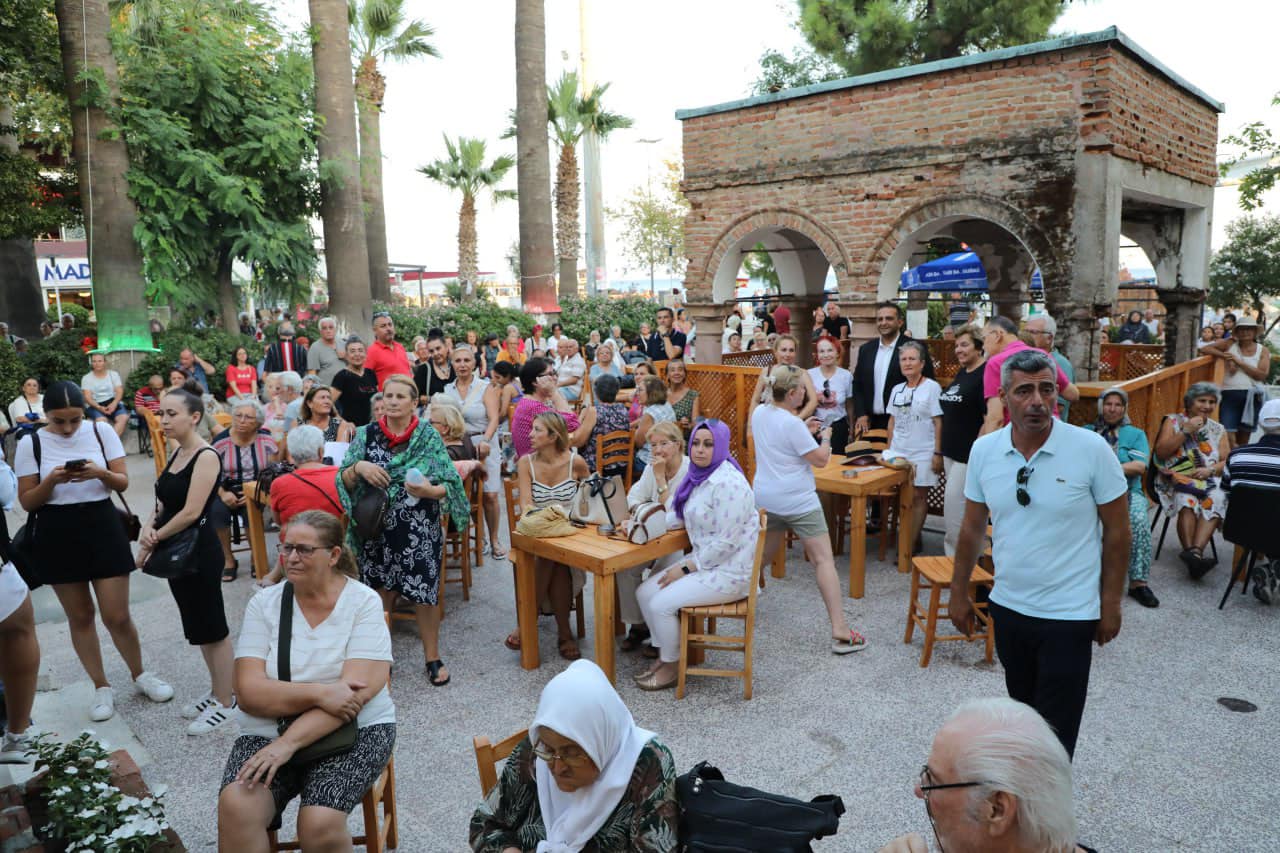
(1042, 154)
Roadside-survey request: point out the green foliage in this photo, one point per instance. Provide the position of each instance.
(937, 317)
(463, 169)
(88, 813)
(378, 29)
(78, 311)
(802, 68)
(13, 372)
(479, 315)
(217, 109)
(1256, 140)
(1246, 270)
(213, 345)
(29, 49)
(58, 357)
(653, 224)
(580, 315)
(31, 203)
(758, 265)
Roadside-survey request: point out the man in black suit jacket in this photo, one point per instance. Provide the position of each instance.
(285, 354)
(873, 413)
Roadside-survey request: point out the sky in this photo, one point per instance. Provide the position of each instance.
(664, 55)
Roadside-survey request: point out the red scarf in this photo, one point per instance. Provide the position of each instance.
(394, 440)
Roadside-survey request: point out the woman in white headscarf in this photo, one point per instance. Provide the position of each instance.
(587, 778)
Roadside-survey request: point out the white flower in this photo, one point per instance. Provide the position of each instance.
(72, 770)
(87, 813)
(101, 765)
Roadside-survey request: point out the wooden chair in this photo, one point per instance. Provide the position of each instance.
(488, 755)
(934, 575)
(693, 641)
(159, 443)
(614, 449)
(1149, 487)
(457, 545)
(223, 419)
(511, 491)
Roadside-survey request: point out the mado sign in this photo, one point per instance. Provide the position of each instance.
(64, 271)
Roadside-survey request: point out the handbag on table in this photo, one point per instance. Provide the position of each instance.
(648, 521)
(336, 742)
(599, 500)
(546, 522)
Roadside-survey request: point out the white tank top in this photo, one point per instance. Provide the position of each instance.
(1239, 380)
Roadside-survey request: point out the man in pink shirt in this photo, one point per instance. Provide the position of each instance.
(386, 356)
(999, 342)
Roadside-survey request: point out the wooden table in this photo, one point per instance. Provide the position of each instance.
(257, 530)
(870, 480)
(603, 557)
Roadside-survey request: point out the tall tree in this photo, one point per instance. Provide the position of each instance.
(653, 224)
(219, 120)
(346, 253)
(1246, 270)
(464, 170)
(533, 155)
(1256, 140)
(102, 161)
(379, 31)
(862, 36)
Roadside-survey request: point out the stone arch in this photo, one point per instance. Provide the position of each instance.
(801, 240)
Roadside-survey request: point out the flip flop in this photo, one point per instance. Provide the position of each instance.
(433, 673)
(498, 555)
(854, 643)
(512, 641)
(572, 652)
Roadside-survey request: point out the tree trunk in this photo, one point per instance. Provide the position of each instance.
(228, 301)
(467, 248)
(21, 298)
(370, 89)
(533, 161)
(567, 232)
(346, 254)
(119, 291)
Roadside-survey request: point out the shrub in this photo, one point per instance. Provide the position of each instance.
(580, 315)
(13, 371)
(213, 345)
(57, 357)
(78, 311)
(481, 316)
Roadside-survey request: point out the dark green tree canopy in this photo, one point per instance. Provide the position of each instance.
(1246, 270)
(1256, 139)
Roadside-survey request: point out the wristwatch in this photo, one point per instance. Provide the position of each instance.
(684, 569)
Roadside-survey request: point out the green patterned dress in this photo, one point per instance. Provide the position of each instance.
(644, 821)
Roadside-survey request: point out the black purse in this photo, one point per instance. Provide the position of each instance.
(177, 556)
(20, 549)
(336, 742)
(369, 512)
(720, 817)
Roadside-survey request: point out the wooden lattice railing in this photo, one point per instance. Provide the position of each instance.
(748, 358)
(1122, 362)
(1152, 396)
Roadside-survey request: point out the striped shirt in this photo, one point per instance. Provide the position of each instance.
(1256, 465)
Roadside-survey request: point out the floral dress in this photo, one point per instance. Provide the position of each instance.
(1204, 497)
(684, 409)
(610, 417)
(644, 821)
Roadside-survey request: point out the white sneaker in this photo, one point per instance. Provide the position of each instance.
(104, 705)
(212, 718)
(194, 709)
(153, 687)
(13, 748)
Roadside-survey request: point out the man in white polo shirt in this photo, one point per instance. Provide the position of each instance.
(1057, 500)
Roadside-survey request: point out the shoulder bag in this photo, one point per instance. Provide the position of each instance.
(270, 474)
(545, 522)
(648, 521)
(599, 500)
(336, 742)
(22, 546)
(720, 817)
(369, 512)
(131, 523)
(177, 556)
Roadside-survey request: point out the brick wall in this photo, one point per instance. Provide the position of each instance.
(15, 824)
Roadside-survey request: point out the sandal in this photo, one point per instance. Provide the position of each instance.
(569, 650)
(650, 682)
(635, 638)
(498, 554)
(512, 641)
(230, 573)
(855, 643)
(433, 673)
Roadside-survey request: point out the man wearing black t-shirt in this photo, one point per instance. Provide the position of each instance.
(667, 342)
(354, 385)
(835, 325)
(963, 411)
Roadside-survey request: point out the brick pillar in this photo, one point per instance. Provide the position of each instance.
(709, 320)
(1183, 313)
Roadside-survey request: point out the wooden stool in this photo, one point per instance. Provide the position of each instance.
(934, 574)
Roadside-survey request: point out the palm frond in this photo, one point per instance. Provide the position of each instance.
(413, 40)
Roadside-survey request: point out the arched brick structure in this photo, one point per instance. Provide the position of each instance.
(1033, 155)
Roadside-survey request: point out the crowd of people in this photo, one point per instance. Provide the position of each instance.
(392, 439)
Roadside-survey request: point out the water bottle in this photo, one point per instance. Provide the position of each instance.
(414, 477)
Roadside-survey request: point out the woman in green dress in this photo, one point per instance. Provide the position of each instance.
(586, 778)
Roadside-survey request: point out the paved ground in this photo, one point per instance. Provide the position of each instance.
(1160, 766)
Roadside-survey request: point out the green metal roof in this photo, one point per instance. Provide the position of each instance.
(1111, 34)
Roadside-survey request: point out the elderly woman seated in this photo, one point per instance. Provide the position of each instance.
(1191, 450)
(586, 778)
(311, 485)
(330, 679)
(245, 449)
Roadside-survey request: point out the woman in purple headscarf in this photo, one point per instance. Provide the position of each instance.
(718, 509)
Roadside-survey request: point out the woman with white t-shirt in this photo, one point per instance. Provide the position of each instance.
(785, 488)
(103, 393)
(338, 666)
(835, 392)
(79, 541)
(915, 427)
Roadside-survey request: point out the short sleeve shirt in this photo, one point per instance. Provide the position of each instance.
(102, 389)
(784, 483)
(386, 360)
(832, 394)
(1049, 553)
(963, 410)
(58, 450)
(323, 359)
(354, 394)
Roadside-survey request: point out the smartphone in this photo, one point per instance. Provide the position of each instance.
(75, 464)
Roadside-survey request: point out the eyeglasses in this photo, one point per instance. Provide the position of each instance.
(572, 759)
(927, 784)
(900, 402)
(1024, 474)
(303, 551)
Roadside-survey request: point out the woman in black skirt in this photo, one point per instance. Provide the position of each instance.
(66, 473)
(184, 492)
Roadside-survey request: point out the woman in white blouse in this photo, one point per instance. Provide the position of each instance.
(27, 409)
(716, 505)
(339, 662)
(657, 484)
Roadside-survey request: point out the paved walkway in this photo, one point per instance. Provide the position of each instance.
(1160, 765)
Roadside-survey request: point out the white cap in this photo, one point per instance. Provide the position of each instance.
(1270, 414)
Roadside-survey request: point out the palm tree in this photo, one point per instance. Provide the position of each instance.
(537, 253)
(102, 159)
(379, 31)
(570, 116)
(463, 170)
(346, 253)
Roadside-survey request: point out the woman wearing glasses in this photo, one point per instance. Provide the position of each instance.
(835, 392)
(586, 778)
(538, 378)
(915, 427)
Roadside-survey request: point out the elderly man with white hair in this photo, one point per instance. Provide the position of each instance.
(291, 396)
(570, 368)
(1044, 331)
(997, 781)
(324, 357)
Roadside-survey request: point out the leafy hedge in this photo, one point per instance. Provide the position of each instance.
(78, 311)
(12, 370)
(580, 316)
(54, 358)
(213, 345)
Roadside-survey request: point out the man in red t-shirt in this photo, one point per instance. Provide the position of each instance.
(781, 317)
(386, 356)
(1000, 341)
